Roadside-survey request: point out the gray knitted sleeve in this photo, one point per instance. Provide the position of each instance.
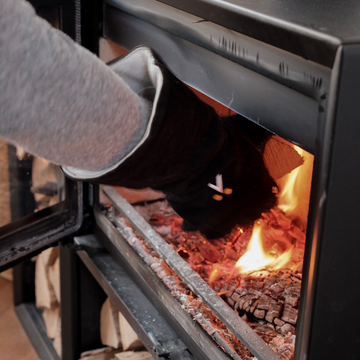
(59, 101)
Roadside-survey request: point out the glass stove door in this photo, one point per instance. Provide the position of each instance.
(38, 205)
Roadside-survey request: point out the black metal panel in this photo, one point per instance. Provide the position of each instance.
(34, 326)
(91, 14)
(22, 200)
(160, 339)
(334, 333)
(70, 304)
(311, 29)
(24, 282)
(92, 297)
(278, 108)
(81, 301)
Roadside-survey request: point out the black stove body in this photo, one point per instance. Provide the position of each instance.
(293, 68)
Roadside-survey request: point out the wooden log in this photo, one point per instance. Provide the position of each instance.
(7, 275)
(52, 320)
(133, 355)
(280, 157)
(44, 291)
(106, 353)
(129, 338)
(57, 343)
(109, 325)
(54, 278)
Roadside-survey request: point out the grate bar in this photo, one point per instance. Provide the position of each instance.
(236, 325)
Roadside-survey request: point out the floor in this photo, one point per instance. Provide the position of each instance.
(14, 344)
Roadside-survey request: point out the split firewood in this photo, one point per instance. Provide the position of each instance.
(129, 338)
(280, 157)
(57, 343)
(44, 291)
(106, 353)
(7, 275)
(54, 278)
(52, 320)
(133, 355)
(109, 325)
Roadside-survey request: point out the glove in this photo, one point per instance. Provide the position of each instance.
(210, 169)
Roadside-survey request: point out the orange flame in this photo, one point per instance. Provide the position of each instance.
(293, 200)
(294, 194)
(288, 201)
(256, 258)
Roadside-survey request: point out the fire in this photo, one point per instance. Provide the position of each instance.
(294, 194)
(257, 258)
(293, 201)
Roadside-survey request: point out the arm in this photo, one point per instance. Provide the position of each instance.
(58, 100)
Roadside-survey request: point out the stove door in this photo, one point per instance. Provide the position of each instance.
(38, 206)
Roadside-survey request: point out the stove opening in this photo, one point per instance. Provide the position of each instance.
(256, 270)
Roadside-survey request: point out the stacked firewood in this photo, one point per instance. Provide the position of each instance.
(47, 292)
(117, 335)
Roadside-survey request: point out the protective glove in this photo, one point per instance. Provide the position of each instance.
(210, 170)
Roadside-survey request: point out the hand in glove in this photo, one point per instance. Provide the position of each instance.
(210, 170)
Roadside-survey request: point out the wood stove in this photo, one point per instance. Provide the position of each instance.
(291, 68)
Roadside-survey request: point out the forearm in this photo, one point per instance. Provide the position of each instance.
(59, 101)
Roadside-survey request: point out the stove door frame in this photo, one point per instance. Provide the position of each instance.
(328, 311)
(30, 234)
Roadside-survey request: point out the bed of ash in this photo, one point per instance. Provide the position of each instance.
(267, 299)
